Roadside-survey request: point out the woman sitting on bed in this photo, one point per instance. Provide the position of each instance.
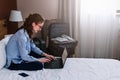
(20, 46)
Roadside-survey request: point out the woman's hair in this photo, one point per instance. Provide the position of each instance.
(36, 18)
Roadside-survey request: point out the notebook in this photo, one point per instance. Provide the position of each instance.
(58, 63)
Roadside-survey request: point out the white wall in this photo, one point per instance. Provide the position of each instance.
(47, 8)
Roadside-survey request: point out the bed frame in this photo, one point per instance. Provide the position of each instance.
(3, 28)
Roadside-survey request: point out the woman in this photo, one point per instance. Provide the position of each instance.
(20, 45)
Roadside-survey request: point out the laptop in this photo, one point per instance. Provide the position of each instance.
(58, 63)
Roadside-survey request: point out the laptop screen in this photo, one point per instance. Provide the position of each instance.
(64, 55)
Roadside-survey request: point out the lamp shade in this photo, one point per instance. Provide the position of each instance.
(15, 16)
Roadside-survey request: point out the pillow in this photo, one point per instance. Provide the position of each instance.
(6, 39)
(8, 35)
(3, 43)
(2, 55)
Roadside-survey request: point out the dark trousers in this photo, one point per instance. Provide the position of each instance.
(27, 65)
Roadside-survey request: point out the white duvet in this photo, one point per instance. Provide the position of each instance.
(74, 69)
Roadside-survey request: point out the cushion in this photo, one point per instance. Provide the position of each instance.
(2, 55)
(6, 39)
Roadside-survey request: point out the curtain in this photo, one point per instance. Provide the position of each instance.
(94, 24)
(69, 12)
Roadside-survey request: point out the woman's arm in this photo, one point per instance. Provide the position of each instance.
(35, 49)
(24, 53)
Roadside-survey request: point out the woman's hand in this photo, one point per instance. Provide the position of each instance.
(43, 60)
(50, 57)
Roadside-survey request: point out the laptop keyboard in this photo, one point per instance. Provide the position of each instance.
(54, 64)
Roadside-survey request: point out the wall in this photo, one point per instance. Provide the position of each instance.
(47, 8)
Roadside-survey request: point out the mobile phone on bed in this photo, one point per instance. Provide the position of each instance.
(23, 74)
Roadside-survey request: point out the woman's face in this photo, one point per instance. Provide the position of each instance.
(37, 27)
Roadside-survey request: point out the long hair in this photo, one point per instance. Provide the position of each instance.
(36, 18)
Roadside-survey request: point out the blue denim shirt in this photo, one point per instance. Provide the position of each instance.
(18, 48)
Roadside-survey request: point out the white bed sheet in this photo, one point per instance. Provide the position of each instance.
(74, 69)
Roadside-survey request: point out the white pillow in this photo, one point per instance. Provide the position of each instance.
(2, 55)
(3, 43)
(6, 39)
(8, 35)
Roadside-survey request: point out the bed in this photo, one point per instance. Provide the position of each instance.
(74, 69)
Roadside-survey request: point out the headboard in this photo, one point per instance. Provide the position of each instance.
(3, 29)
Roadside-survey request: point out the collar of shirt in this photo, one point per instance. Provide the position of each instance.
(26, 34)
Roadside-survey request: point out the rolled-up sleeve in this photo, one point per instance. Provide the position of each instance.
(23, 51)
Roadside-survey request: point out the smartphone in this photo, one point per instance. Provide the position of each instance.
(23, 74)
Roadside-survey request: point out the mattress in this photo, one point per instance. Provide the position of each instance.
(74, 69)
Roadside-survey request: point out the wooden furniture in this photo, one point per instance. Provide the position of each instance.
(56, 49)
(5, 7)
(3, 29)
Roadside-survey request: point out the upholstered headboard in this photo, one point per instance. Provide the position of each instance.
(3, 29)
